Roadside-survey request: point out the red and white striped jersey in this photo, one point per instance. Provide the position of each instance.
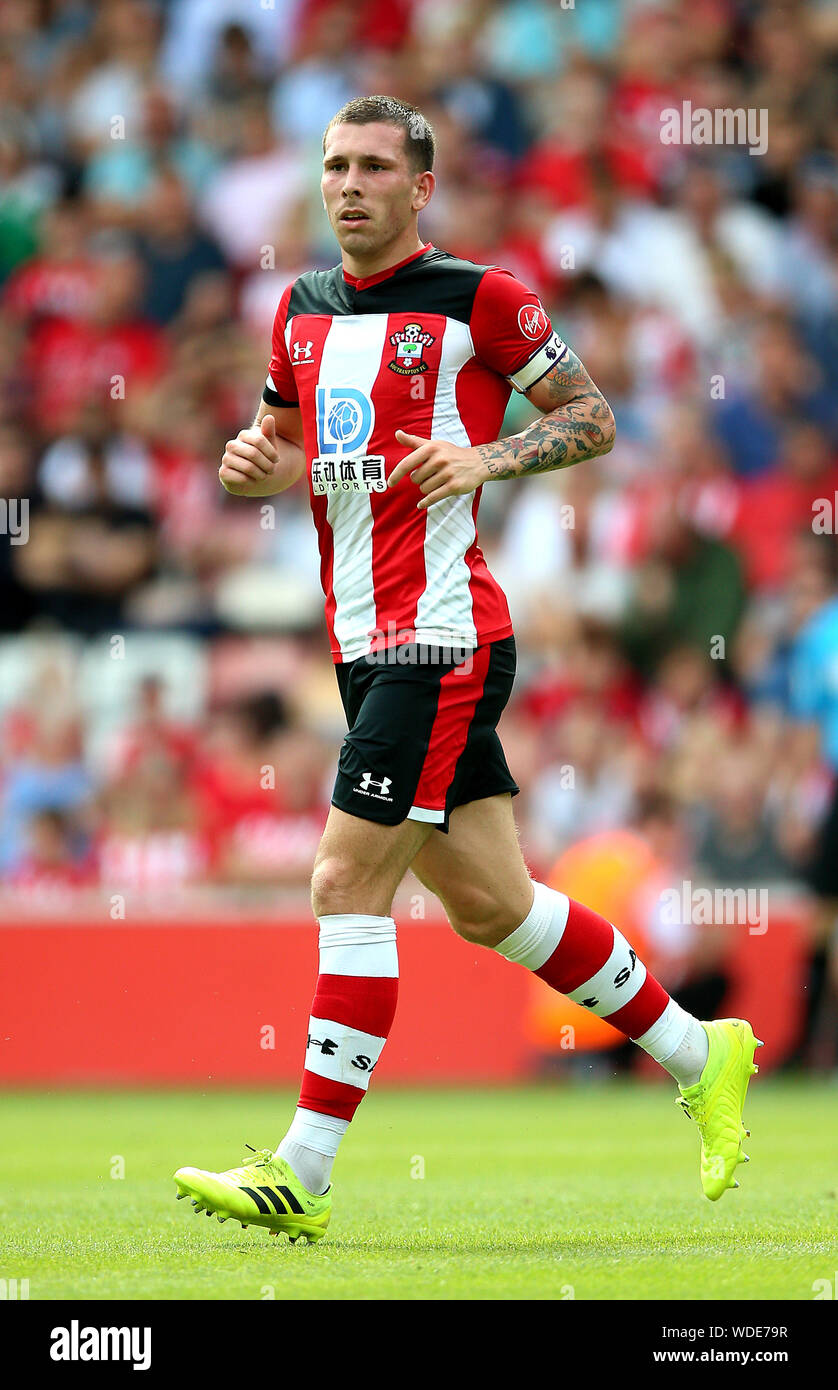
(432, 346)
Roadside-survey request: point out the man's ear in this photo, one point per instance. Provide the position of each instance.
(424, 190)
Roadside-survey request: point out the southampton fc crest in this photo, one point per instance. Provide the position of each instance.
(410, 343)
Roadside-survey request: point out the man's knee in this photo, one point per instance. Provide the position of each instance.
(339, 883)
(332, 880)
(478, 917)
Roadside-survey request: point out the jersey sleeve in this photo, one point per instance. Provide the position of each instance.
(280, 386)
(511, 330)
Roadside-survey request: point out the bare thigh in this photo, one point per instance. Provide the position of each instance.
(360, 864)
(478, 871)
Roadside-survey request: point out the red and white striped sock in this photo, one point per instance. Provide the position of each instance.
(351, 1015)
(580, 954)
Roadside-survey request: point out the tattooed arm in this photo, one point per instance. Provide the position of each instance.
(577, 424)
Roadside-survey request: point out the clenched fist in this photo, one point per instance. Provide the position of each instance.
(250, 461)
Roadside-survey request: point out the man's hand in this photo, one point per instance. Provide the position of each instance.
(438, 468)
(250, 461)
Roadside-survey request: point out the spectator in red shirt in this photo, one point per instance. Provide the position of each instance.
(59, 281)
(775, 507)
(98, 356)
(55, 860)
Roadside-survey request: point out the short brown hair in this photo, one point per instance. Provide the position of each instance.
(418, 138)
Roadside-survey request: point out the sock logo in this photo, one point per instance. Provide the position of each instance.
(340, 1053)
(328, 1048)
(363, 1063)
(622, 977)
(625, 973)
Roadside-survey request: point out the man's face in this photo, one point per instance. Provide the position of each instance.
(370, 191)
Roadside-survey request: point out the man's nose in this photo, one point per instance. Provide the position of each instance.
(351, 184)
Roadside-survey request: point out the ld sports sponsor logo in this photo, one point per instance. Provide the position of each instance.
(345, 420)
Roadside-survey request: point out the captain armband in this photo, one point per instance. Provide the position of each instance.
(545, 357)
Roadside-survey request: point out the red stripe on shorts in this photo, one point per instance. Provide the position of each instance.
(460, 690)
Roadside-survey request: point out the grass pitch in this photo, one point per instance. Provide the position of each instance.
(549, 1192)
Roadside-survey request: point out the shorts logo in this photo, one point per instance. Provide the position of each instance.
(410, 343)
(345, 420)
(532, 321)
(368, 781)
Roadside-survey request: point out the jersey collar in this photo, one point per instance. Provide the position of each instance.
(364, 284)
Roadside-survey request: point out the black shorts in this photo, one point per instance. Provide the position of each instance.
(422, 731)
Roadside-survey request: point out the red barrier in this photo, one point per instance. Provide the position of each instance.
(768, 980)
(169, 1002)
(227, 1001)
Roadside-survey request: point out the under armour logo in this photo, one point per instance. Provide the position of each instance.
(367, 781)
(302, 351)
(328, 1046)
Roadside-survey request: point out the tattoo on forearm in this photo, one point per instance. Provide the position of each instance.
(579, 427)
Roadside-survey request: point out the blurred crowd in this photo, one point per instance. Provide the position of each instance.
(167, 706)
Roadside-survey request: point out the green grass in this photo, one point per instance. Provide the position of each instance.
(527, 1194)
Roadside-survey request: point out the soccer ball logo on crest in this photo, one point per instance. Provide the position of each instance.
(343, 420)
